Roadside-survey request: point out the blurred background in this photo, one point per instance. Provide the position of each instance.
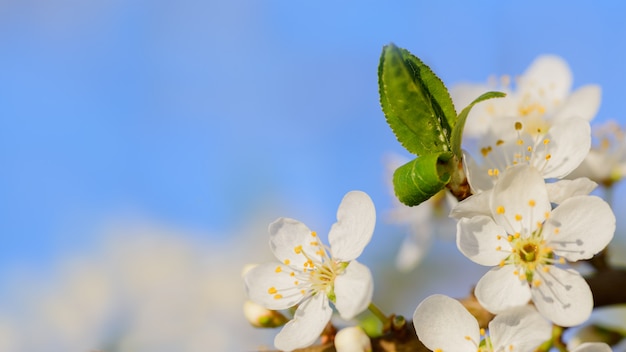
(145, 146)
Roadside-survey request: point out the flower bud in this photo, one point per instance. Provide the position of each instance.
(352, 339)
(261, 317)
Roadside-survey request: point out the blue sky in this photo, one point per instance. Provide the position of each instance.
(204, 114)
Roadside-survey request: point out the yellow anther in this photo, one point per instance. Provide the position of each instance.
(500, 210)
(516, 235)
(561, 260)
(545, 269)
(518, 125)
(518, 217)
(468, 338)
(320, 252)
(548, 156)
(278, 269)
(546, 215)
(496, 172)
(499, 248)
(482, 332)
(438, 350)
(557, 230)
(298, 249)
(485, 151)
(499, 142)
(536, 283)
(532, 203)
(516, 273)
(287, 261)
(498, 237)
(278, 296)
(529, 149)
(313, 233)
(501, 263)
(296, 283)
(520, 142)
(509, 238)
(302, 292)
(292, 274)
(314, 243)
(546, 141)
(272, 290)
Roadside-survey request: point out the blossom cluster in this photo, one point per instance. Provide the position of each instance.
(530, 217)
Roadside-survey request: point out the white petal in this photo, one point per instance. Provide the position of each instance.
(352, 339)
(353, 230)
(519, 329)
(569, 144)
(482, 240)
(563, 296)
(261, 279)
(307, 324)
(548, 74)
(477, 175)
(585, 224)
(476, 204)
(289, 238)
(560, 190)
(413, 249)
(443, 323)
(353, 290)
(582, 103)
(501, 289)
(518, 188)
(593, 347)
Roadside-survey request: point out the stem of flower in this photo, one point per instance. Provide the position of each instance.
(378, 313)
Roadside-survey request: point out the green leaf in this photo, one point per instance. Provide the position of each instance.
(415, 101)
(457, 131)
(422, 178)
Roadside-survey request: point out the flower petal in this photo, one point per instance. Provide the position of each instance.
(413, 249)
(582, 103)
(562, 296)
(307, 324)
(568, 144)
(272, 286)
(476, 204)
(353, 290)
(482, 240)
(593, 347)
(560, 190)
(519, 329)
(442, 323)
(501, 288)
(580, 227)
(548, 74)
(353, 230)
(520, 199)
(290, 239)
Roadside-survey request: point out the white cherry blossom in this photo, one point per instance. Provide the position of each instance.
(541, 96)
(443, 325)
(606, 161)
(312, 275)
(555, 151)
(593, 347)
(523, 238)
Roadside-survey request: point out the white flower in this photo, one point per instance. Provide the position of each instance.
(311, 277)
(442, 324)
(352, 339)
(542, 96)
(555, 152)
(425, 221)
(523, 237)
(606, 161)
